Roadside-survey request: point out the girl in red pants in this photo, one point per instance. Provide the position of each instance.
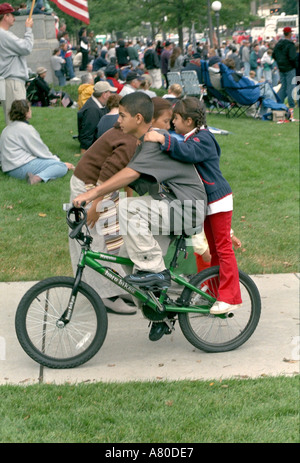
(201, 148)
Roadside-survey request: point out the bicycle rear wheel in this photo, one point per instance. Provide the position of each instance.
(48, 341)
(220, 333)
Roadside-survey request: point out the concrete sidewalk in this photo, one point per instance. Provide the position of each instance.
(128, 355)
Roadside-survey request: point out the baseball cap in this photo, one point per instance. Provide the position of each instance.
(103, 86)
(287, 30)
(110, 70)
(133, 75)
(213, 60)
(6, 8)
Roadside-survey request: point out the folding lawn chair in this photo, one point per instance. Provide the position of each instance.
(240, 90)
(174, 78)
(215, 99)
(191, 84)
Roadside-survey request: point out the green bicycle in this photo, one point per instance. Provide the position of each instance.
(61, 322)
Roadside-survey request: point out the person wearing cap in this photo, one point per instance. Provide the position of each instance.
(133, 82)
(194, 64)
(91, 112)
(112, 77)
(13, 52)
(66, 54)
(285, 55)
(43, 89)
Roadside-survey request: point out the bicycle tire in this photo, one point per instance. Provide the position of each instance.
(39, 333)
(212, 333)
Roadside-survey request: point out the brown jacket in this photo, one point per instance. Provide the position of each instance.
(107, 156)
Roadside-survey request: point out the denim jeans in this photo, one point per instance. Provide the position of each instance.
(246, 68)
(69, 65)
(268, 75)
(61, 78)
(47, 169)
(287, 86)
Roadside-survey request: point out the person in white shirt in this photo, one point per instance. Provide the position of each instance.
(133, 82)
(23, 154)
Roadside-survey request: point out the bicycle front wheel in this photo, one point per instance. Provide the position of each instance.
(52, 343)
(220, 333)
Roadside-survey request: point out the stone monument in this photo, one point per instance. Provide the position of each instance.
(45, 42)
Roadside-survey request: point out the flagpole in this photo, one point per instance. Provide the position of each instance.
(31, 9)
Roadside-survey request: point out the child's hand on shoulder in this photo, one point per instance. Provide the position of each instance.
(154, 136)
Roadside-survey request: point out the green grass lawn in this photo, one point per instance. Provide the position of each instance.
(261, 162)
(259, 159)
(263, 410)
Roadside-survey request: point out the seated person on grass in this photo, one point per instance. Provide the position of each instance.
(175, 191)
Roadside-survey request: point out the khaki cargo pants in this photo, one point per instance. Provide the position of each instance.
(145, 227)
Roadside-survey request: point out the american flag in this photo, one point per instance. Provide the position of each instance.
(76, 8)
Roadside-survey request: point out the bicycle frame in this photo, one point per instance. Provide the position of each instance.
(90, 258)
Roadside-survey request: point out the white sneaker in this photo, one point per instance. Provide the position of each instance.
(119, 307)
(220, 307)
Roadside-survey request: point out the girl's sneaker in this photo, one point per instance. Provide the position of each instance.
(220, 307)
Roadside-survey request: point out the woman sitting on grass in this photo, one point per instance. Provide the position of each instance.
(23, 154)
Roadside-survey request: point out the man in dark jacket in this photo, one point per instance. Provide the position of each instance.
(152, 64)
(91, 112)
(285, 56)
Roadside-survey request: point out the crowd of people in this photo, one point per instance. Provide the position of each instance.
(125, 136)
(272, 61)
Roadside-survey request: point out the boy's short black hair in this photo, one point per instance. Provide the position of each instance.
(138, 103)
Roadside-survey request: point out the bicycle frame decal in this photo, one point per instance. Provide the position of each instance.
(90, 259)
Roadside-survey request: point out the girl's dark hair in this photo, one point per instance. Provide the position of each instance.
(194, 108)
(138, 103)
(18, 110)
(175, 53)
(160, 105)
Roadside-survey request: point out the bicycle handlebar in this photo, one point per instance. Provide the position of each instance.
(76, 224)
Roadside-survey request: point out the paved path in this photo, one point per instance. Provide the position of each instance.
(128, 355)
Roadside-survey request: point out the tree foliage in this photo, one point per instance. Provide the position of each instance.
(146, 18)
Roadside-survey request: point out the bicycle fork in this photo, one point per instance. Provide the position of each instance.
(67, 315)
